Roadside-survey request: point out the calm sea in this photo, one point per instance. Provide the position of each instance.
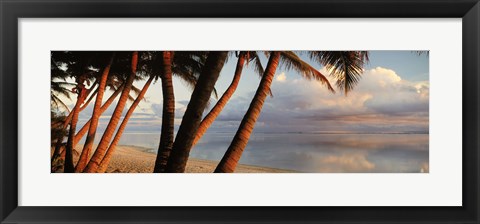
(325, 153)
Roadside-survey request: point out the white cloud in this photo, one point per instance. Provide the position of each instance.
(281, 77)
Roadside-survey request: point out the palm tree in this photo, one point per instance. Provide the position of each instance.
(70, 64)
(84, 129)
(82, 162)
(81, 91)
(243, 58)
(345, 66)
(108, 155)
(70, 61)
(112, 124)
(193, 114)
(186, 65)
(168, 113)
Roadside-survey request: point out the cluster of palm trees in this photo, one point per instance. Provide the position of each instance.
(94, 73)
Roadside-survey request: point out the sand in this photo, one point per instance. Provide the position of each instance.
(132, 159)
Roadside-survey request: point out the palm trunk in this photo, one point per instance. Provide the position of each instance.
(87, 147)
(213, 114)
(239, 142)
(168, 115)
(112, 125)
(89, 99)
(68, 167)
(104, 107)
(193, 114)
(106, 159)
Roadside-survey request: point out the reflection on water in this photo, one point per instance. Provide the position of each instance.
(325, 153)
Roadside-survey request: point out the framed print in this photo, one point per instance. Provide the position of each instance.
(239, 112)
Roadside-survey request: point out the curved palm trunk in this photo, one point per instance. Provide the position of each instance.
(87, 147)
(90, 98)
(106, 159)
(193, 114)
(213, 114)
(68, 167)
(239, 142)
(112, 124)
(168, 115)
(104, 107)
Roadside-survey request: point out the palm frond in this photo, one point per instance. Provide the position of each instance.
(57, 101)
(61, 88)
(135, 90)
(291, 61)
(113, 82)
(131, 98)
(257, 64)
(345, 66)
(61, 92)
(215, 93)
(64, 84)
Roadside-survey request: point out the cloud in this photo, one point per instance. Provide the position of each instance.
(281, 77)
(381, 102)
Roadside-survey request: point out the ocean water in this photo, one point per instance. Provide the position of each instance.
(313, 153)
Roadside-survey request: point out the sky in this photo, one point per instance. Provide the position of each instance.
(391, 97)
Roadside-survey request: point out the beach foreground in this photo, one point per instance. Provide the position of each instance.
(132, 159)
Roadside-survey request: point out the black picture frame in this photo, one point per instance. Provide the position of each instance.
(11, 11)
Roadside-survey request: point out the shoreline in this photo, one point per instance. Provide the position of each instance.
(136, 159)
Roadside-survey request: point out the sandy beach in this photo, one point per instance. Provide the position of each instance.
(132, 159)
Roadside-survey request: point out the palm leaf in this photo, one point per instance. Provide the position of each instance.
(135, 90)
(291, 61)
(345, 66)
(57, 101)
(257, 64)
